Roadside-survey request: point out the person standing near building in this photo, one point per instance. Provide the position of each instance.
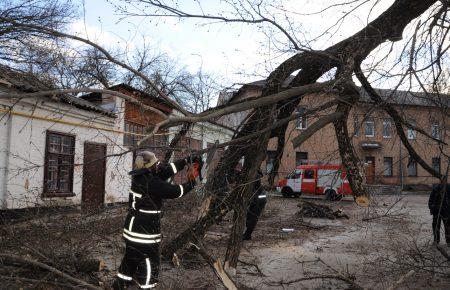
(142, 229)
(439, 205)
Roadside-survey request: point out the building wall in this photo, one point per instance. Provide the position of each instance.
(24, 187)
(322, 146)
(202, 135)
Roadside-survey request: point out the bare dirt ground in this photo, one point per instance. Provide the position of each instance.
(376, 246)
(372, 249)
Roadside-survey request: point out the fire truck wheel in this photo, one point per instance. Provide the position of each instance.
(287, 192)
(338, 197)
(330, 194)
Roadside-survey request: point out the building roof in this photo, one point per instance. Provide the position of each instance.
(154, 98)
(397, 97)
(29, 83)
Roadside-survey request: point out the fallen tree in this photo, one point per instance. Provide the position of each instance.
(346, 56)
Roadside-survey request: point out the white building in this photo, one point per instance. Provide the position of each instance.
(52, 150)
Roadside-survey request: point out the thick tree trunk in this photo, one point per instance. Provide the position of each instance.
(253, 158)
(312, 65)
(176, 139)
(349, 158)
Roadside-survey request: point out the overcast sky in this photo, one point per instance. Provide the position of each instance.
(237, 53)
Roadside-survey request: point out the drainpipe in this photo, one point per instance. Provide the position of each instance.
(6, 164)
(401, 168)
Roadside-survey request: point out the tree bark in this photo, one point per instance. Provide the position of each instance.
(312, 65)
(176, 139)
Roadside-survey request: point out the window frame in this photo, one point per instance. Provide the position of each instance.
(130, 139)
(369, 120)
(271, 156)
(297, 154)
(391, 166)
(356, 127)
(301, 123)
(412, 161)
(58, 193)
(433, 163)
(435, 130)
(411, 134)
(387, 121)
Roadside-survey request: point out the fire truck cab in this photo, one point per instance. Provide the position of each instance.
(329, 180)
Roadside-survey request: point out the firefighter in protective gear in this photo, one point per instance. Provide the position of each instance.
(257, 204)
(439, 205)
(142, 229)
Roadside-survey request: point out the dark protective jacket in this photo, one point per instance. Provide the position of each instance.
(258, 190)
(436, 200)
(148, 190)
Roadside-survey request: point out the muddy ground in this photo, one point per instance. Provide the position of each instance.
(374, 248)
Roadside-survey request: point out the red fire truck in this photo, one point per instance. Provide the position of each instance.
(326, 179)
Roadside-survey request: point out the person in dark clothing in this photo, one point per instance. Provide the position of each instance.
(257, 204)
(142, 229)
(439, 205)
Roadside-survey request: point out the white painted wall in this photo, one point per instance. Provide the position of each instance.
(24, 184)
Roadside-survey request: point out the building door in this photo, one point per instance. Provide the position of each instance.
(370, 169)
(94, 168)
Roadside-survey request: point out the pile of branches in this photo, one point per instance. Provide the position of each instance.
(313, 210)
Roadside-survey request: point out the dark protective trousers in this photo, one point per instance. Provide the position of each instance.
(254, 212)
(437, 228)
(141, 263)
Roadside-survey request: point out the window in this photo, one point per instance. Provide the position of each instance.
(302, 122)
(59, 160)
(369, 127)
(309, 174)
(412, 167)
(436, 164)
(133, 134)
(387, 128)
(301, 158)
(387, 171)
(435, 131)
(355, 126)
(412, 134)
(271, 155)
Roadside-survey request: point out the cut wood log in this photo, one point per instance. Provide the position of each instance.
(362, 201)
(401, 280)
(313, 210)
(89, 266)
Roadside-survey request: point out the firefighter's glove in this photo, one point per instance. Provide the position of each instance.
(193, 172)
